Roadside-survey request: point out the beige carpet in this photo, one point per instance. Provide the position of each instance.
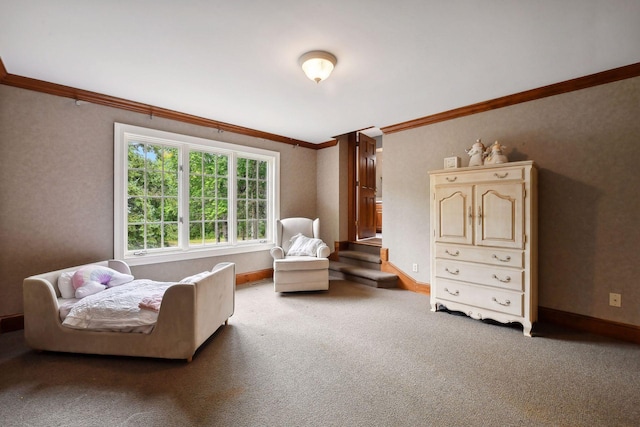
(352, 356)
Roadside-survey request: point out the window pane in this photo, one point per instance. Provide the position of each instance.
(262, 190)
(170, 160)
(210, 187)
(135, 155)
(209, 161)
(195, 209)
(252, 168)
(170, 184)
(135, 209)
(223, 165)
(242, 230)
(262, 170)
(222, 188)
(154, 236)
(154, 157)
(154, 209)
(252, 191)
(195, 162)
(170, 235)
(170, 210)
(135, 185)
(242, 209)
(195, 186)
(210, 232)
(154, 183)
(195, 233)
(223, 209)
(135, 240)
(241, 167)
(252, 210)
(223, 232)
(242, 188)
(262, 210)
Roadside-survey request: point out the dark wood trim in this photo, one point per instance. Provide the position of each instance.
(327, 144)
(404, 281)
(608, 328)
(351, 183)
(591, 80)
(254, 276)
(11, 323)
(137, 107)
(3, 71)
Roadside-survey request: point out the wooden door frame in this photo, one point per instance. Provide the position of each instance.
(351, 183)
(352, 163)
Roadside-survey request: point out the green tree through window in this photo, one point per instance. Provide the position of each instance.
(179, 197)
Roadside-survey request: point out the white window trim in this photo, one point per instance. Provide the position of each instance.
(122, 133)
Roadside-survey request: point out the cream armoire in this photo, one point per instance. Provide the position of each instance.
(484, 242)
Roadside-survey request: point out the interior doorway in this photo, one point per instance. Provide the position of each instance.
(365, 187)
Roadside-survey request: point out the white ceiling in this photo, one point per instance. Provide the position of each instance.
(237, 61)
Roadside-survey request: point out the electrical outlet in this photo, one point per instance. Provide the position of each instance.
(415, 268)
(615, 300)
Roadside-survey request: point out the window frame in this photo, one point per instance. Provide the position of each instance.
(124, 133)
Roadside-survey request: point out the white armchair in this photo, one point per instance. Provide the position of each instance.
(300, 258)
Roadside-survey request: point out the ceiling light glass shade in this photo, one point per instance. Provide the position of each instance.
(317, 65)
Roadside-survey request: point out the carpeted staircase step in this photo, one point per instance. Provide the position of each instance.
(366, 276)
(361, 256)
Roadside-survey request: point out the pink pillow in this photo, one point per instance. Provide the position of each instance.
(97, 278)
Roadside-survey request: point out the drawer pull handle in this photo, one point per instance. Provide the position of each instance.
(505, 259)
(455, 294)
(505, 280)
(452, 178)
(497, 175)
(456, 271)
(505, 303)
(456, 253)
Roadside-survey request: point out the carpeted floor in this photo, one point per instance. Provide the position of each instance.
(352, 356)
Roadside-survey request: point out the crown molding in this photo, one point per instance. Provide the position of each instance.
(585, 82)
(137, 107)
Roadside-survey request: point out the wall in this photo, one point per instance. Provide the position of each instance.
(57, 188)
(328, 198)
(586, 145)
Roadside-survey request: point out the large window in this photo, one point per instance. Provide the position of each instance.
(180, 197)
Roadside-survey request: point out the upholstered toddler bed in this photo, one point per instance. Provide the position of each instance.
(161, 319)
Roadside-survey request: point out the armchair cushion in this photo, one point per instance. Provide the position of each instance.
(301, 263)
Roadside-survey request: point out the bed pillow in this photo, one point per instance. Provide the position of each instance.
(302, 245)
(65, 286)
(96, 278)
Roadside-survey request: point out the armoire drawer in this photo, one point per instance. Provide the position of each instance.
(489, 175)
(506, 278)
(500, 257)
(479, 296)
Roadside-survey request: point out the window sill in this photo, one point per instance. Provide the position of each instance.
(156, 258)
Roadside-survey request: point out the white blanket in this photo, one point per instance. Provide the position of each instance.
(116, 309)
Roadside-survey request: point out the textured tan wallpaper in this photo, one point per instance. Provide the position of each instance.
(587, 147)
(56, 190)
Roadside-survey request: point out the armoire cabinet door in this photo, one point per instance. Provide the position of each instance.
(499, 215)
(454, 214)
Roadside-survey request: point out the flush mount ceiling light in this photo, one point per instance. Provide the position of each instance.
(317, 64)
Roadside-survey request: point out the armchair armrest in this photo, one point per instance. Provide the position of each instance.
(277, 252)
(323, 251)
